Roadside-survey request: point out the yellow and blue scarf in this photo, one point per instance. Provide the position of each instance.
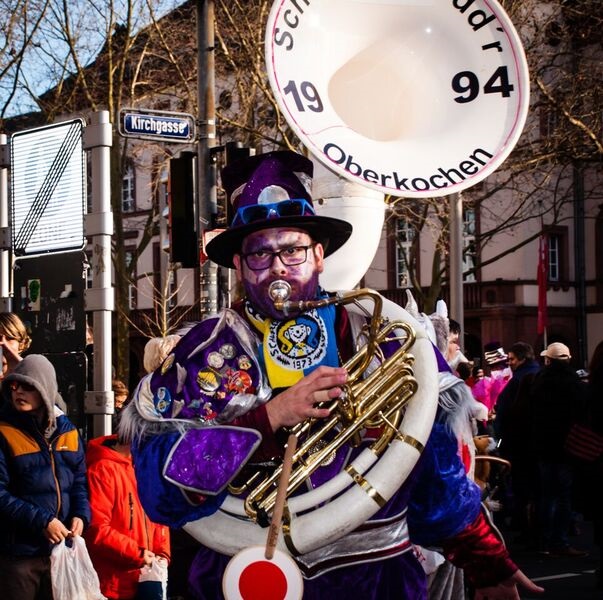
(293, 347)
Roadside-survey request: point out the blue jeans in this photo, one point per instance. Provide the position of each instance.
(555, 504)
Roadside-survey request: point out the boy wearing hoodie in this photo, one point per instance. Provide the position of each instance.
(43, 492)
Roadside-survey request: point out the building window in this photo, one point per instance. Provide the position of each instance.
(132, 292)
(558, 256)
(554, 258)
(172, 289)
(127, 190)
(469, 244)
(164, 210)
(405, 235)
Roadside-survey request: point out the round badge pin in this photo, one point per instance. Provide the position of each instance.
(215, 360)
(228, 351)
(208, 380)
(167, 363)
(162, 400)
(244, 362)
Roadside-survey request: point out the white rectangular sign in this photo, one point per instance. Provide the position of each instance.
(48, 189)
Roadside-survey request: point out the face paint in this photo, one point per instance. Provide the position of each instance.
(302, 278)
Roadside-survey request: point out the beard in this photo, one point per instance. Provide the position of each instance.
(260, 298)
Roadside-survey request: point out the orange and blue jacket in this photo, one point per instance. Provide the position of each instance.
(40, 479)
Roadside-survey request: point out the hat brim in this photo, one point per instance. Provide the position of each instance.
(330, 232)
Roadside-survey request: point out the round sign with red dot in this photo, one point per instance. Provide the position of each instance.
(251, 576)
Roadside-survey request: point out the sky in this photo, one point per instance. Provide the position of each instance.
(45, 61)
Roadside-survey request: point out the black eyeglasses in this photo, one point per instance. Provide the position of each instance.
(290, 257)
(261, 212)
(26, 387)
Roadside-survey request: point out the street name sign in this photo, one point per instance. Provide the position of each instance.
(156, 125)
(48, 189)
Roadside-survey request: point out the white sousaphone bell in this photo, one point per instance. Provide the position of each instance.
(412, 98)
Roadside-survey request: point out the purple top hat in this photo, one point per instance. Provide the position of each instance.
(272, 190)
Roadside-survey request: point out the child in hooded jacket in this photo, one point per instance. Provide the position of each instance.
(43, 495)
(121, 538)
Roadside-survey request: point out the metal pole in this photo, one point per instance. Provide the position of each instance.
(5, 241)
(580, 264)
(456, 262)
(98, 138)
(206, 188)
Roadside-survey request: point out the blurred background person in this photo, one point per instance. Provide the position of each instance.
(120, 393)
(500, 373)
(453, 353)
(120, 399)
(14, 341)
(558, 399)
(512, 427)
(591, 473)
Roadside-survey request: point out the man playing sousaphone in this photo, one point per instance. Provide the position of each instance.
(234, 384)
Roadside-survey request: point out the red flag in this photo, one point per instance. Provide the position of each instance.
(543, 276)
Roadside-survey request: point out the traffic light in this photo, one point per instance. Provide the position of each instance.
(184, 245)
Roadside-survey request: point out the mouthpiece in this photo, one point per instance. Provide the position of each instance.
(279, 291)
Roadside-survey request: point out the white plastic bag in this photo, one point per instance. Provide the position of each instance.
(430, 559)
(72, 573)
(152, 581)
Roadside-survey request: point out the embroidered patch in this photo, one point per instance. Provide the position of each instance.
(298, 343)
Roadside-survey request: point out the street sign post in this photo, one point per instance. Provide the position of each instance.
(156, 125)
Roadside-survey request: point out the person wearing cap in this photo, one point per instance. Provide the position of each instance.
(262, 370)
(557, 399)
(43, 491)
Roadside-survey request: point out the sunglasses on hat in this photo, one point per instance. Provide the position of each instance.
(26, 387)
(261, 212)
